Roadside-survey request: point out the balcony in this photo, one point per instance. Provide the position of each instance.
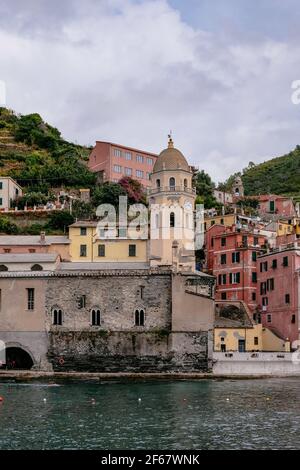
(175, 189)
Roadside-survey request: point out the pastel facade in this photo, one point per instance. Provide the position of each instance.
(9, 191)
(273, 204)
(227, 220)
(112, 161)
(17, 244)
(223, 197)
(278, 291)
(87, 245)
(234, 265)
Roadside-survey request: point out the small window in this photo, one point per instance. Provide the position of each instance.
(223, 259)
(274, 263)
(117, 153)
(158, 183)
(172, 219)
(269, 318)
(82, 230)
(223, 295)
(7, 250)
(128, 156)
(265, 301)
(139, 174)
(101, 250)
(293, 320)
(235, 257)
(254, 255)
(81, 301)
(255, 241)
(285, 261)
(140, 158)
(96, 317)
(82, 250)
(253, 296)
(172, 183)
(1, 185)
(223, 241)
(128, 171)
(57, 317)
(287, 298)
(139, 318)
(185, 183)
(256, 340)
(32, 250)
(30, 299)
(132, 250)
(36, 267)
(254, 277)
(254, 316)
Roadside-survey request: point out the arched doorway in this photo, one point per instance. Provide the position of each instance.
(17, 358)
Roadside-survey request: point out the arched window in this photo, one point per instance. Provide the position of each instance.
(139, 317)
(185, 183)
(3, 267)
(172, 219)
(36, 267)
(172, 184)
(158, 183)
(57, 316)
(95, 317)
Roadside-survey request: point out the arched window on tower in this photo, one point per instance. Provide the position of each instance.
(139, 317)
(172, 183)
(185, 183)
(158, 183)
(96, 317)
(172, 219)
(57, 316)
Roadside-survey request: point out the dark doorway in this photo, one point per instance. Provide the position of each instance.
(242, 345)
(17, 358)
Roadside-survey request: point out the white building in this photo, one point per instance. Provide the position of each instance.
(223, 197)
(9, 190)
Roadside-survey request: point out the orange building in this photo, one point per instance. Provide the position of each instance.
(112, 161)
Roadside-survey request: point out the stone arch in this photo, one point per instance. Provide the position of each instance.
(18, 356)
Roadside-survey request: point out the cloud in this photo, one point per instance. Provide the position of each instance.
(129, 71)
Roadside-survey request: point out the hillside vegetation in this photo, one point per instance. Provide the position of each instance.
(36, 155)
(279, 175)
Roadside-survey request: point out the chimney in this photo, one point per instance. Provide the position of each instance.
(42, 237)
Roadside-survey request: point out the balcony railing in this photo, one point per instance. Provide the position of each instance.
(162, 189)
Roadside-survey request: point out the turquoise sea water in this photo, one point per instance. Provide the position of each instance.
(204, 414)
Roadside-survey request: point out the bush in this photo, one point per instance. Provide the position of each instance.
(34, 229)
(6, 226)
(60, 220)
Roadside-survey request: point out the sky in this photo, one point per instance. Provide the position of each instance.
(218, 73)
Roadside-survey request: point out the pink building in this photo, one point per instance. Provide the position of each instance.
(279, 205)
(17, 244)
(234, 264)
(112, 161)
(278, 291)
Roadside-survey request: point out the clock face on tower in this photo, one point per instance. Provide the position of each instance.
(188, 205)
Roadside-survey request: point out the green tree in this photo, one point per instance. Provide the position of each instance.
(60, 220)
(108, 193)
(204, 190)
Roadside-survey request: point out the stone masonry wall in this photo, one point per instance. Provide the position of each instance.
(118, 345)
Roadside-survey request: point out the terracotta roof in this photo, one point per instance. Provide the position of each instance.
(171, 159)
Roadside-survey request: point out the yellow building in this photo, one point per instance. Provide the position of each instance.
(87, 246)
(227, 220)
(234, 331)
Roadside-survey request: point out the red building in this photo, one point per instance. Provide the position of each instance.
(233, 255)
(112, 161)
(278, 291)
(279, 205)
